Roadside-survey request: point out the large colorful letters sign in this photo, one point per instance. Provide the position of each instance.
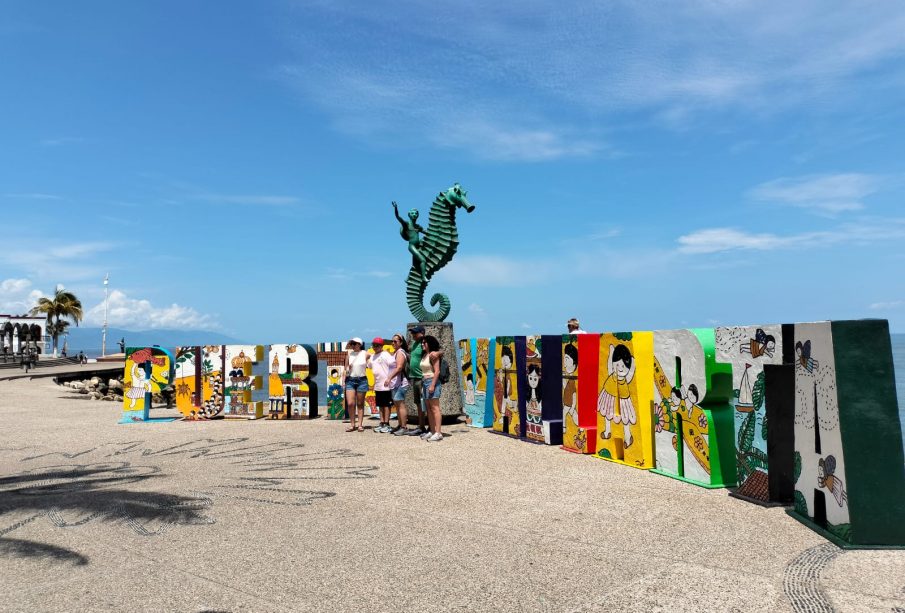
(849, 466)
(624, 428)
(693, 420)
(552, 388)
(292, 392)
(505, 391)
(245, 392)
(579, 396)
(199, 381)
(147, 371)
(748, 350)
(474, 412)
(531, 394)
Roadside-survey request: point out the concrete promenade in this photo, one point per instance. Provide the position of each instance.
(301, 516)
(110, 368)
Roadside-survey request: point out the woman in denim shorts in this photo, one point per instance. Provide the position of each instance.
(399, 383)
(431, 387)
(356, 383)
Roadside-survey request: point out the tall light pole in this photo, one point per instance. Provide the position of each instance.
(104, 337)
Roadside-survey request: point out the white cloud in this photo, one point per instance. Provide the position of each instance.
(864, 232)
(341, 274)
(494, 139)
(139, 314)
(249, 199)
(32, 196)
(60, 140)
(71, 261)
(497, 80)
(492, 270)
(887, 306)
(830, 193)
(714, 240)
(17, 296)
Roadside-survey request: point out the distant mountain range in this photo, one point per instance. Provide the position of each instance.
(89, 339)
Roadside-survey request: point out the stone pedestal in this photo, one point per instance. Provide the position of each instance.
(451, 395)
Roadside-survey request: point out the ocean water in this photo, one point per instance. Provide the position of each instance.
(898, 358)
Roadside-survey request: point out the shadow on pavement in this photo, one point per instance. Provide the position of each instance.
(20, 548)
(68, 497)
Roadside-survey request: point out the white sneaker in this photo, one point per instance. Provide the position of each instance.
(433, 438)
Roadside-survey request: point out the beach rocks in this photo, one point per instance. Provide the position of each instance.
(97, 388)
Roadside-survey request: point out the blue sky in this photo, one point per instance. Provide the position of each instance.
(639, 165)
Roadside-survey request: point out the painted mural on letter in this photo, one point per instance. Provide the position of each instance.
(681, 426)
(288, 394)
(624, 400)
(748, 349)
(199, 383)
(820, 481)
(147, 371)
(336, 407)
(574, 438)
(534, 427)
(505, 389)
(473, 413)
(245, 394)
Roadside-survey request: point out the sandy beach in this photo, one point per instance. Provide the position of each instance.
(301, 516)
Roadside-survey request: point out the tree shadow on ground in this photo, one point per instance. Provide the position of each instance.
(20, 548)
(68, 497)
(89, 474)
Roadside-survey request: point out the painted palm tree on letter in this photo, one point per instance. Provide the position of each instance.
(63, 305)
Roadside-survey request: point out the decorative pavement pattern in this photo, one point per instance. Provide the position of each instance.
(801, 581)
(70, 495)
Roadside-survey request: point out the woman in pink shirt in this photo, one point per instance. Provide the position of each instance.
(381, 364)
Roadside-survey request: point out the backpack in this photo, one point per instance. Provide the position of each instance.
(444, 371)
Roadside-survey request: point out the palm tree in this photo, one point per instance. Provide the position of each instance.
(63, 304)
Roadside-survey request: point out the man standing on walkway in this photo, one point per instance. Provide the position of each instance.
(415, 376)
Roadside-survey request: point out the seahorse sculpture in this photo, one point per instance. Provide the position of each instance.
(433, 251)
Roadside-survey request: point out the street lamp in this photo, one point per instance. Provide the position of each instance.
(104, 336)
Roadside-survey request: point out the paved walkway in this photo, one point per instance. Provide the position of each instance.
(301, 516)
(53, 371)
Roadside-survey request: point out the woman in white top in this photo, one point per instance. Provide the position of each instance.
(430, 370)
(399, 384)
(356, 383)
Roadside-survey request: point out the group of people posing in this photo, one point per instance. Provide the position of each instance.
(416, 369)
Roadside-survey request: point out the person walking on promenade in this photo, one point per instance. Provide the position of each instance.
(356, 383)
(415, 376)
(399, 383)
(574, 327)
(381, 362)
(430, 369)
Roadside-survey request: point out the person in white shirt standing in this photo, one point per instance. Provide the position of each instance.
(381, 363)
(356, 383)
(574, 327)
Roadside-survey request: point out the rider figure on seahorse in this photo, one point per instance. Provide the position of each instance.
(409, 231)
(433, 251)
